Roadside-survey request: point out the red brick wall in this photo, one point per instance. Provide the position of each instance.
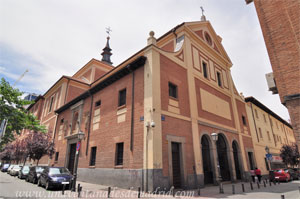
(172, 72)
(110, 132)
(241, 108)
(98, 74)
(207, 115)
(73, 92)
(182, 128)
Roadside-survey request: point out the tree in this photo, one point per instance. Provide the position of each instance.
(39, 144)
(290, 154)
(7, 153)
(12, 109)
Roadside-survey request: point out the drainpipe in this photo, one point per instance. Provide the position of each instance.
(89, 126)
(132, 112)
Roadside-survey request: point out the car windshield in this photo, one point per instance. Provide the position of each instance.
(25, 168)
(17, 167)
(55, 171)
(6, 166)
(39, 169)
(279, 171)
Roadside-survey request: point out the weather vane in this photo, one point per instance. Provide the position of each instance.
(108, 30)
(203, 18)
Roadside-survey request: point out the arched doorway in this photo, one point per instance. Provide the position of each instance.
(206, 160)
(223, 158)
(236, 160)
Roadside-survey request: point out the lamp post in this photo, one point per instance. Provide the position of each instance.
(215, 139)
(80, 136)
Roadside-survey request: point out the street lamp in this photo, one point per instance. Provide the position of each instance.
(215, 139)
(80, 136)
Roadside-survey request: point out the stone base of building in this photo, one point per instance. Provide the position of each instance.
(135, 178)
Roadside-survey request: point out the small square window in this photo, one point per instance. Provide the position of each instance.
(219, 79)
(122, 97)
(173, 90)
(244, 120)
(119, 153)
(98, 103)
(204, 67)
(93, 156)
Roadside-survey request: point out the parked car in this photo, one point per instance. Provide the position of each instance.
(23, 173)
(10, 168)
(55, 177)
(15, 170)
(293, 174)
(5, 167)
(281, 175)
(297, 171)
(34, 174)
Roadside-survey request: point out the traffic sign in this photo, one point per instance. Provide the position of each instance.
(78, 146)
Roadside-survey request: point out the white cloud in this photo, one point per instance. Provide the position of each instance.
(61, 36)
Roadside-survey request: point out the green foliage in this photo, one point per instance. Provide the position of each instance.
(290, 154)
(12, 109)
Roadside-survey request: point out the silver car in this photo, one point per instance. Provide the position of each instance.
(15, 170)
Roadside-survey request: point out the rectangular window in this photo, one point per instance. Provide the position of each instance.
(51, 103)
(268, 133)
(265, 118)
(56, 156)
(119, 153)
(93, 156)
(244, 120)
(173, 90)
(219, 79)
(122, 97)
(98, 103)
(260, 133)
(204, 67)
(256, 114)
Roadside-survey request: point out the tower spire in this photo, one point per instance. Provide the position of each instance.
(106, 50)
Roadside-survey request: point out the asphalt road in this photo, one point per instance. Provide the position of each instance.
(12, 187)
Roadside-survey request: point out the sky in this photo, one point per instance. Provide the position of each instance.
(51, 38)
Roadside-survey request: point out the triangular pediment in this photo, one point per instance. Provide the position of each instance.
(204, 31)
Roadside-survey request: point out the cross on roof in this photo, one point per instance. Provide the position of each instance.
(108, 30)
(202, 10)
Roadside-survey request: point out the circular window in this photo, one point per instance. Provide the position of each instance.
(208, 38)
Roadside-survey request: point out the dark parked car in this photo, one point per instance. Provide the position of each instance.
(23, 173)
(55, 177)
(297, 170)
(34, 174)
(4, 167)
(293, 174)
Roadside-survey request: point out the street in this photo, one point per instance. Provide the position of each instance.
(12, 187)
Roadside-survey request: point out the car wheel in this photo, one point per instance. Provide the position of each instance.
(39, 183)
(291, 179)
(26, 179)
(286, 180)
(47, 187)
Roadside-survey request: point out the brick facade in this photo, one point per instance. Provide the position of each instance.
(280, 24)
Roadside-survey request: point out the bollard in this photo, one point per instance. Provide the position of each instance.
(173, 193)
(233, 189)
(243, 188)
(199, 192)
(79, 190)
(264, 183)
(258, 186)
(274, 182)
(63, 190)
(251, 185)
(270, 183)
(108, 192)
(221, 188)
(139, 192)
(282, 197)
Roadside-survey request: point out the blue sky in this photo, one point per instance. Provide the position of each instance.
(52, 38)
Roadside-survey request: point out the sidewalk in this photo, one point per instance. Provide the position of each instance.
(290, 190)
